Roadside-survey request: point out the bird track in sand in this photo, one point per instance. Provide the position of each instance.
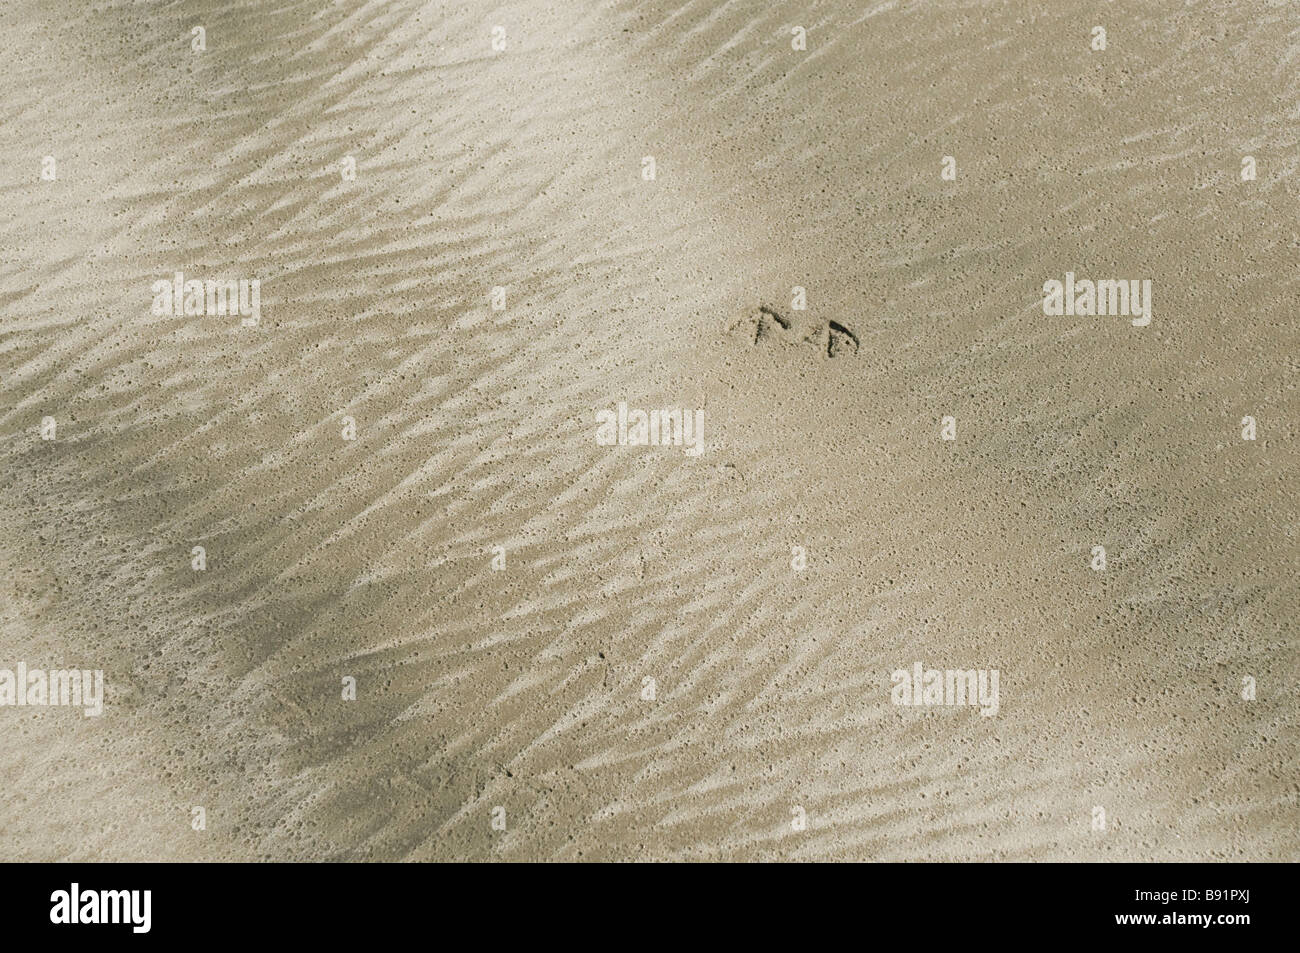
(766, 322)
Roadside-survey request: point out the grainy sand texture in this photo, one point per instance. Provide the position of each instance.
(364, 574)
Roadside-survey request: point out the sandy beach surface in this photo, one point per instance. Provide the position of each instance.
(566, 650)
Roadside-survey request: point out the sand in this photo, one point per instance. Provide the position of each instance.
(505, 713)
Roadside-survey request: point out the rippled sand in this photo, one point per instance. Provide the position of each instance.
(523, 687)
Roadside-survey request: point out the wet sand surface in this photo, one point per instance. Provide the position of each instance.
(524, 687)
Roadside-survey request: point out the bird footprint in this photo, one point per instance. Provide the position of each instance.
(766, 323)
